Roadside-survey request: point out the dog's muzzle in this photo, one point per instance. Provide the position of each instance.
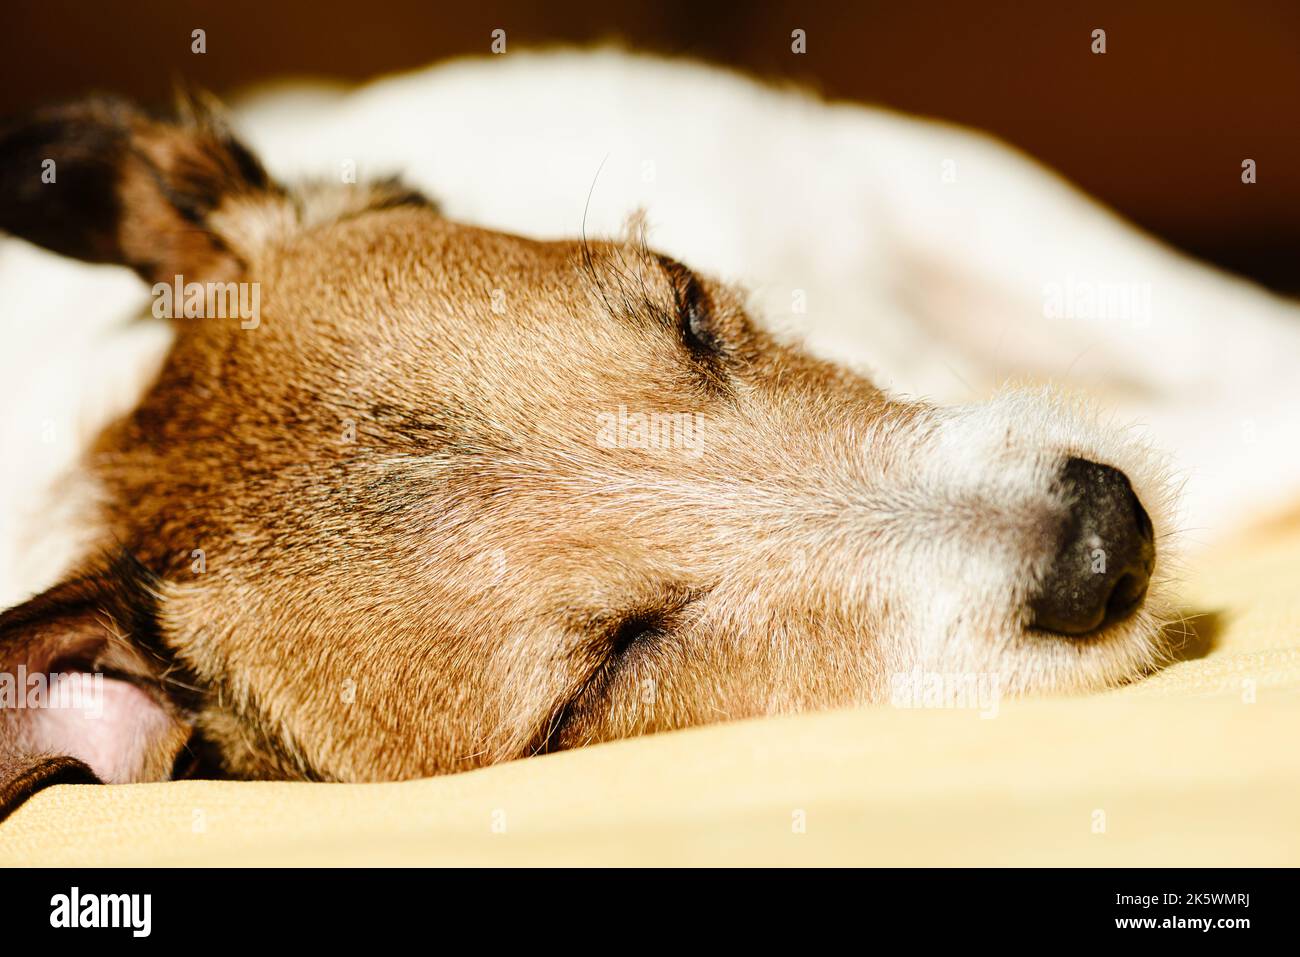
(1101, 570)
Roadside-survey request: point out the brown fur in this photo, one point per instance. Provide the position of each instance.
(374, 558)
(419, 557)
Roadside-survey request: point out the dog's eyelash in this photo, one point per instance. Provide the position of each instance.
(694, 319)
(697, 328)
(636, 628)
(620, 634)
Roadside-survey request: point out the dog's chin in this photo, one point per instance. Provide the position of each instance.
(1022, 661)
(1116, 654)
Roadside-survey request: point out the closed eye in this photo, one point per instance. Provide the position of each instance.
(642, 624)
(622, 636)
(694, 311)
(639, 627)
(696, 326)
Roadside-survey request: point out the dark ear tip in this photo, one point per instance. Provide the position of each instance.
(101, 180)
(82, 141)
(21, 778)
(390, 192)
(102, 110)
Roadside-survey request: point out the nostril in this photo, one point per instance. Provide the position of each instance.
(1143, 519)
(1125, 596)
(1103, 564)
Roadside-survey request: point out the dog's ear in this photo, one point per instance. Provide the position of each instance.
(100, 180)
(84, 686)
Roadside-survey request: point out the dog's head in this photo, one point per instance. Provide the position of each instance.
(423, 497)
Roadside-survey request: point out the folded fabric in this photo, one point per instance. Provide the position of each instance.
(1197, 765)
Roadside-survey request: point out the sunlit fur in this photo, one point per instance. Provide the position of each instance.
(420, 558)
(467, 562)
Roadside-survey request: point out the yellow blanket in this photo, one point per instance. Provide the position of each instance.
(1197, 765)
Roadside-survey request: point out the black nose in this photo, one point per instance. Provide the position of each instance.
(1106, 554)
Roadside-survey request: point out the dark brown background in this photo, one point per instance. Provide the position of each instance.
(1157, 127)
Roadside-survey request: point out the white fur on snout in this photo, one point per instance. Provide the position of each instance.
(983, 541)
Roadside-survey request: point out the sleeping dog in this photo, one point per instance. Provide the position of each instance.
(407, 496)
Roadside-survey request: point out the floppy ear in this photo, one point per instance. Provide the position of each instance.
(101, 181)
(83, 687)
